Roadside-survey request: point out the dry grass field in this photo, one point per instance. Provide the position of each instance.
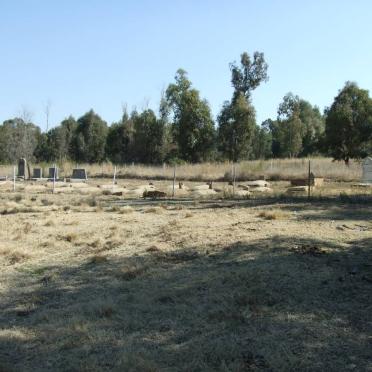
(276, 169)
(91, 281)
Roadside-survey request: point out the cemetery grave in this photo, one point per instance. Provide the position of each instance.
(82, 260)
(367, 170)
(80, 265)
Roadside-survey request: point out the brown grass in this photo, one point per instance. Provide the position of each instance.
(14, 256)
(215, 292)
(156, 210)
(98, 259)
(131, 273)
(126, 210)
(153, 248)
(275, 169)
(71, 237)
(274, 214)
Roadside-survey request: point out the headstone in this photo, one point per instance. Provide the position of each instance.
(79, 174)
(53, 173)
(367, 170)
(22, 164)
(37, 173)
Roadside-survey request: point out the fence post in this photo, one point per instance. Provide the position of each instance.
(234, 177)
(54, 178)
(14, 179)
(309, 182)
(113, 181)
(174, 180)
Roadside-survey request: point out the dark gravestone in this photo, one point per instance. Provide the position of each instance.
(53, 173)
(22, 168)
(79, 174)
(37, 173)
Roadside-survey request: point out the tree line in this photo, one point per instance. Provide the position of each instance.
(184, 131)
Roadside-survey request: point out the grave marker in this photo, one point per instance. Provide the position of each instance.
(79, 174)
(37, 173)
(53, 173)
(22, 168)
(367, 170)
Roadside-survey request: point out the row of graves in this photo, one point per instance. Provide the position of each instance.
(299, 185)
(24, 173)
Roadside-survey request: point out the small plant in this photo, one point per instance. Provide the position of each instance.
(13, 256)
(106, 311)
(69, 237)
(18, 198)
(131, 273)
(98, 259)
(274, 214)
(27, 228)
(46, 202)
(156, 210)
(153, 248)
(126, 209)
(114, 208)
(91, 202)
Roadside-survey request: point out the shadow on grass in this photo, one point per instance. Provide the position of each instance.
(323, 211)
(351, 200)
(278, 304)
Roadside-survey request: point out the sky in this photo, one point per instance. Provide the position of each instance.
(100, 54)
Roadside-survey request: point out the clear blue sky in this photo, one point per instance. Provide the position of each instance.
(83, 54)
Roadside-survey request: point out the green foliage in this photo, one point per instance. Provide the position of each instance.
(18, 139)
(193, 128)
(89, 142)
(237, 120)
(119, 144)
(56, 144)
(149, 138)
(262, 143)
(249, 75)
(236, 129)
(314, 125)
(299, 128)
(290, 136)
(184, 129)
(349, 124)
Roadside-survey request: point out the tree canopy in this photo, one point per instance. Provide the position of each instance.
(192, 123)
(237, 121)
(89, 141)
(18, 139)
(348, 132)
(183, 130)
